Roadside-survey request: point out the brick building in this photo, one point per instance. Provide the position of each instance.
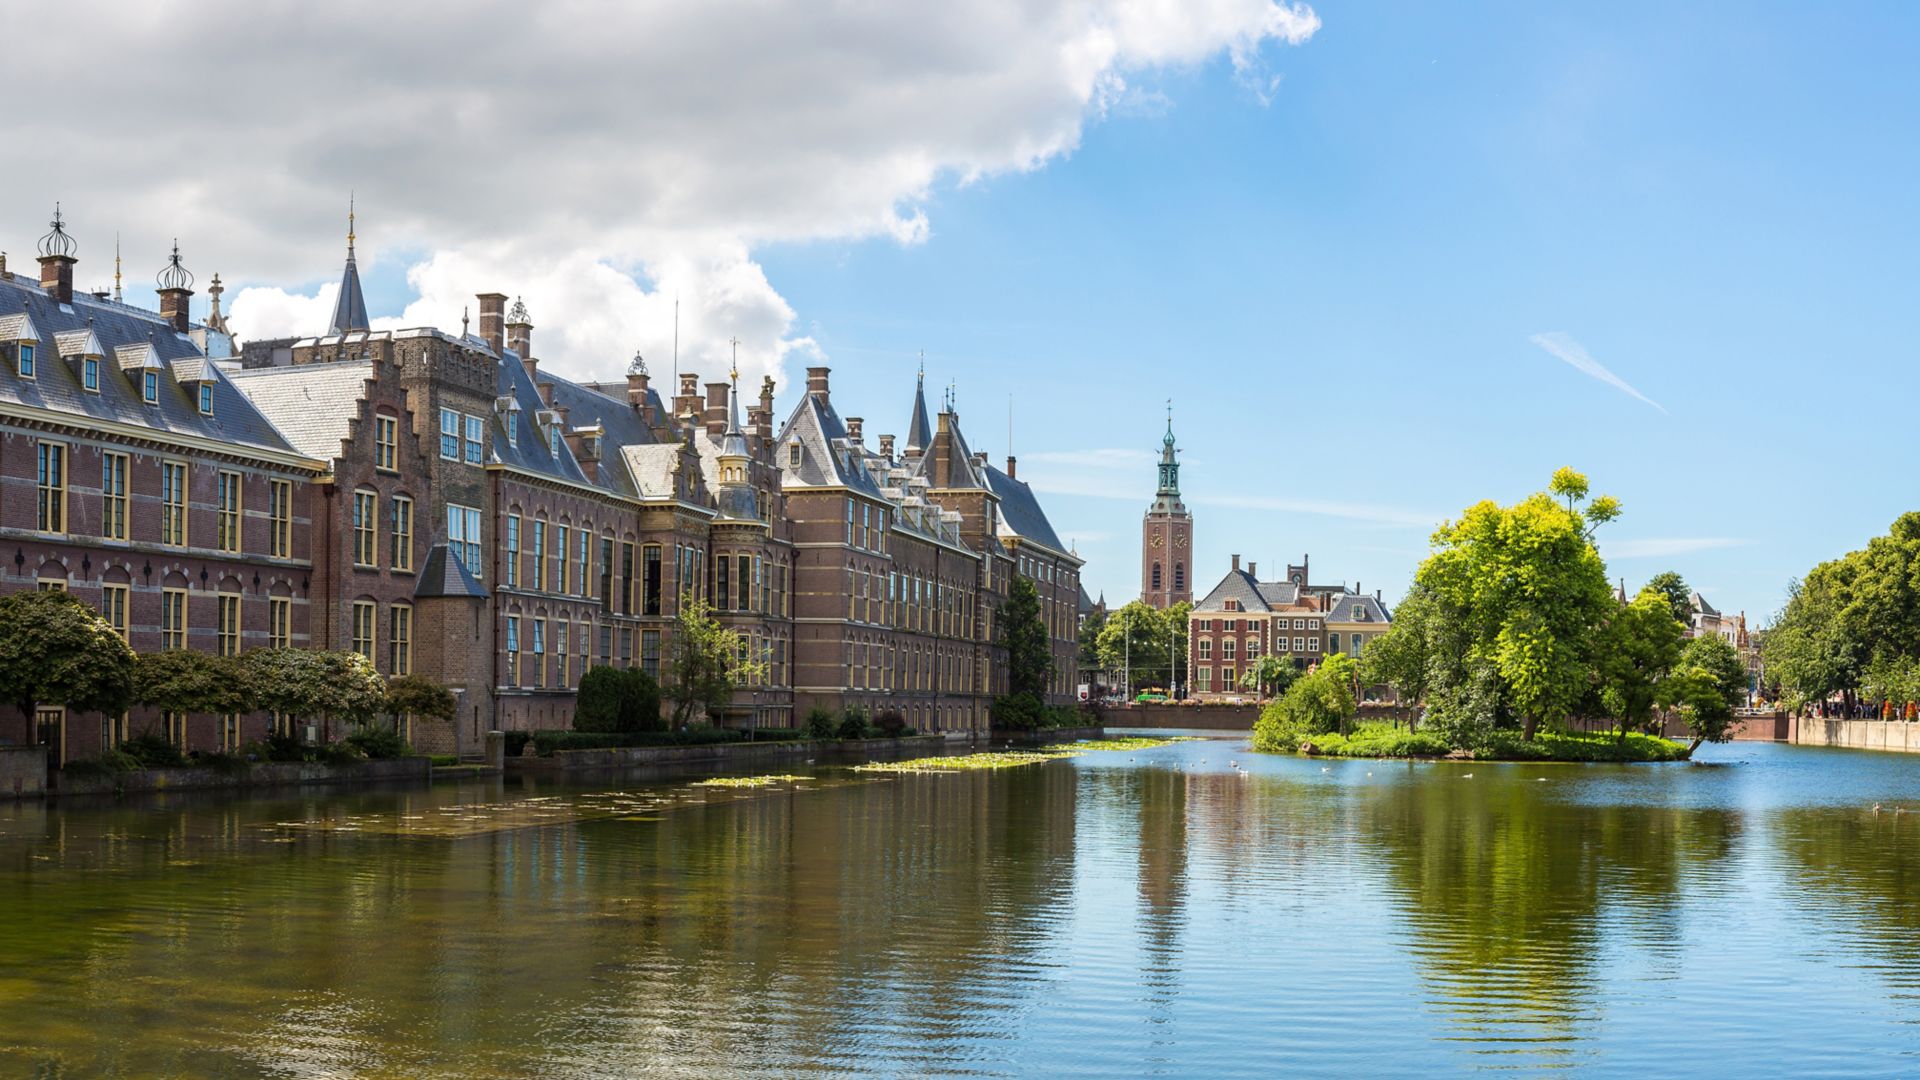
(443, 504)
(1166, 536)
(1244, 618)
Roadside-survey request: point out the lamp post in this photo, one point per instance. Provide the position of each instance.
(1126, 667)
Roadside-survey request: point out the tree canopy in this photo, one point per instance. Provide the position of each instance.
(185, 681)
(1852, 623)
(56, 650)
(312, 683)
(1158, 640)
(1029, 656)
(705, 663)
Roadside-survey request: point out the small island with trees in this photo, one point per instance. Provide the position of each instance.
(1509, 634)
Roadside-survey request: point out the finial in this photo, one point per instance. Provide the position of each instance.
(173, 275)
(519, 316)
(463, 322)
(350, 224)
(638, 365)
(923, 365)
(57, 244)
(735, 342)
(116, 266)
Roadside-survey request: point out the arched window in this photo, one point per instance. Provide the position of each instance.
(1156, 575)
(1179, 576)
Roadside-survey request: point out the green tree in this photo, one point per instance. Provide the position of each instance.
(1529, 592)
(1638, 650)
(55, 650)
(1674, 588)
(1403, 657)
(706, 662)
(1269, 676)
(1029, 655)
(1319, 702)
(1090, 638)
(184, 681)
(1135, 640)
(320, 684)
(1711, 683)
(417, 695)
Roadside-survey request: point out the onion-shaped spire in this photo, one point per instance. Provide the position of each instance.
(57, 244)
(638, 365)
(518, 315)
(173, 275)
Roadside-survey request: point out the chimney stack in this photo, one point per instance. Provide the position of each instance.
(493, 320)
(716, 408)
(175, 289)
(762, 423)
(1253, 570)
(546, 393)
(519, 330)
(1013, 467)
(817, 382)
(855, 425)
(636, 387)
(57, 259)
(1236, 562)
(886, 447)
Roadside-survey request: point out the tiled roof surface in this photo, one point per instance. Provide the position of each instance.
(1356, 607)
(444, 575)
(1020, 512)
(313, 405)
(138, 338)
(826, 459)
(1254, 595)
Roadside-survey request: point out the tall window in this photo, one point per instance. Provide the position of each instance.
(90, 374)
(606, 574)
(650, 579)
(539, 652)
(583, 547)
(173, 618)
(113, 496)
(512, 570)
(229, 636)
(538, 568)
(560, 629)
(28, 362)
(173, 503)
(280, 519)
(386, 443)
(227, 524)
(366, 528)
(150, 387)
(279, 622)
(513, 650)
(720, 569)
(363, 620)
(558, 579)
(650, 652)
(476, 433)
(450, 434)
(626, 578)
(206, 399)
(400, 640)
(113, 607)
(1156, 575)
(463, 536)
(402, 533)
(51, 478)
(743, 583)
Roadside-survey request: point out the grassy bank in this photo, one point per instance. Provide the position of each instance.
(1388, 741)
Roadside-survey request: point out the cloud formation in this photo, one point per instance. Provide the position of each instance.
(597, 158)
(1575, 355)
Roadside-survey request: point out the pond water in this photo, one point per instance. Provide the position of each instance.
(1155, 912)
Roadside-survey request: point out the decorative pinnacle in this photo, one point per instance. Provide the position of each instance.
(116, 267)
(173, 275)
(518, 316)
(923, 365)
(57, 244)
(638, 365)
(349, 224)
(735, 342)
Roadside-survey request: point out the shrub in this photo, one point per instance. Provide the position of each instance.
(442, 761)
(853, 725)
(890, 723)
(153, 751)
(1376, 740)
(517, 742)
(1317, 703)
(341, 753)
(285, 747)
(222, 762)
(377, 741)
(421, 697)
(1580, 746)
(819, 724)
(597, 705)
(774, 734)
(1018, 712)
(109, 762)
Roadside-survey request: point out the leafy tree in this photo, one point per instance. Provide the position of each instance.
(1402, 658)
(1269, 676)
(1317, 703)
(1711, 683)
(420, 696)
(1529, 593)
(315, 683)
(184, 681)
(1136, 639)
(706, 663)
(1638, 650)
(596, 705)
(1674, 588)
(55, 650)
(1090, 638)
(1018, 712)
(853, 724)
(1029, 656)
(819, 723)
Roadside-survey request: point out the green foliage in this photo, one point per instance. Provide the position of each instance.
(1852, 622)
(1674, 588)
(317, 684)
(184, 681)
(1156, 637)
(153, 751)
(1378, 740)
(1319, 702)
(597, 703)
(378, 741)
(1403, 657)
(56, 650)
(1638, 650)
(820, 723)
(516, 742)
(444, 761)
(1029, 655)
(1090, 629)
(705, 663)
(1579, 746)
(1017, 712)
(1270, 675)
(1710, 683)
(853, 725)
(421, 697)
(891, 724)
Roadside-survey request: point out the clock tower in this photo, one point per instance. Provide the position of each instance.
(1166, 535)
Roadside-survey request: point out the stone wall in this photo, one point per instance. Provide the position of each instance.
(264, 774)
(1199, 717)
(23, 771)
(622, 757)
(1895, 735)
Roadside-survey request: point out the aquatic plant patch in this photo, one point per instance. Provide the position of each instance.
(1130, 742)
(749, 781)
(1003, 759)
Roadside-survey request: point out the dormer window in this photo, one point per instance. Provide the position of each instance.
(27, 363)
(90, 373)
(553, 440)
(150, 387)
(793, 455)
(206, 399)
(513, 430)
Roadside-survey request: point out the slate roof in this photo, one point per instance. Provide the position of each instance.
(959, 471)
(1253, 594)
(1700, 605)
(620, 423)
(827, 457)
(313, 405)
(444, 575)
(131, 337)
(1020, 513)
(919, 434)
(350, 307)
(1357, 607)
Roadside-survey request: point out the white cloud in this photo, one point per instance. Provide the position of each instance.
(1575, 355)
(595, 157)
(1660, 547)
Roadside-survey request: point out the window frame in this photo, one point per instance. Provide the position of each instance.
(50, 486)
(400, 533)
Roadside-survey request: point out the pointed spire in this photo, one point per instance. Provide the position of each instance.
(919, 432)
(116, 268)
(1169, 493)
(350, 307)
(215, 318)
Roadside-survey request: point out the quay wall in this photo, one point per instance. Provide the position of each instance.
(23, 772)
(623, 757)
(259, 774)
(1898, 736)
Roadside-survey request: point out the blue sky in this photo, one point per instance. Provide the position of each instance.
(1387, 259)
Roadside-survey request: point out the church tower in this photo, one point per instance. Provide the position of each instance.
(1166, 536)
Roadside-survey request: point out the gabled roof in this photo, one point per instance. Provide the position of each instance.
(82, 342)
(827, 459)
(18, 326)
(1357, 607)
(313, 405)
(444, 575)
(134, 339)
(1700, 605)
(1253, 594)
(947, 463)
(621, 424)
(1020, 512)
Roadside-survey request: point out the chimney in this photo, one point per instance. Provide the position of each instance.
(636, 388)
(1236, 562)
(176, 288)
(1013, 467)
(855, 425)
(761, 421)
(493, 316)
(5, 275)
(886, 447)
(57, 259)
(546, 393)
(716, 408)
(1376, 594)
(817, 382)
(561, 409)
(519, 330)
(1253, 570)
(1357, 590)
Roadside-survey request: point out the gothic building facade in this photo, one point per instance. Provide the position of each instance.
(447, 506)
